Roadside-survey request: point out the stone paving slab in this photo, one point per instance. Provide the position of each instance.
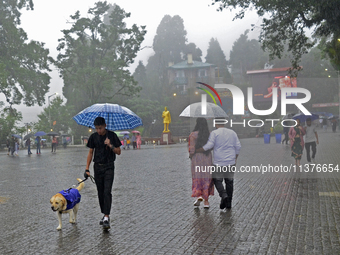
(153, 211)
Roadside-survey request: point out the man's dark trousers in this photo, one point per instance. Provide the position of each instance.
(308, 145)
(104, 175)
(229, 181)
(286, 139)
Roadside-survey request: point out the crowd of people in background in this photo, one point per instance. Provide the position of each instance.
(333, 122)
(13, 145)
(136, 140)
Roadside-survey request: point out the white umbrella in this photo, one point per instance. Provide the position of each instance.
(194, 111)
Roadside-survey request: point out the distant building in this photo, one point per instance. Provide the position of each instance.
(263, 81)
(187, 73)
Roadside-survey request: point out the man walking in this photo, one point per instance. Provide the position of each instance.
(286, 139)
(28, 144)
(311, 140)
(54, 144)
(12, 145)
(324, 124)
(226, 146)
(133, 139)
(38, 141)
(105, 145)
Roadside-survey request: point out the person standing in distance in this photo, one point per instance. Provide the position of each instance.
(311, 140)
(38, 141)
(105, 144)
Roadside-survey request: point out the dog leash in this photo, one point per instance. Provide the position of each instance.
(91, 177)
(73, 186)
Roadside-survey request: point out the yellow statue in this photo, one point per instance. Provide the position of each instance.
(166, 120)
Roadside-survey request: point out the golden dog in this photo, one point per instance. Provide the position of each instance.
(60, 205)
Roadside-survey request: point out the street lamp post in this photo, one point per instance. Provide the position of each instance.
(28, 124)
(49, 110)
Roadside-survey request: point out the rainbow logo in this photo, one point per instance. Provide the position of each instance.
(208, 92)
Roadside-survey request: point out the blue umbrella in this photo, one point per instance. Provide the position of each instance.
(333, 117)
(40, 133)
(16, 136)
(327, 114)
(303, 117)
(116, 117)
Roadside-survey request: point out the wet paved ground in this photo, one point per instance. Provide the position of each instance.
(153, 211)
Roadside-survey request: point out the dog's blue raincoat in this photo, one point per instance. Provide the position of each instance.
(72, 197)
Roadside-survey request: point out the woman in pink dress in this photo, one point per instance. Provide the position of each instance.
(202, 183)
(138, 141)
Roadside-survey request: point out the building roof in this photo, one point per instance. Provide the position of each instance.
(195, 64)
(284, 69)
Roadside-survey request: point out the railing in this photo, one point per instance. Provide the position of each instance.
(181, 80)
(204, 79)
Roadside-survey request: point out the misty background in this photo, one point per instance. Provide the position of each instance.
(145, 56)
(201, 20)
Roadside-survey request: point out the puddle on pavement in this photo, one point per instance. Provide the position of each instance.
(330, 194)
(3, 200)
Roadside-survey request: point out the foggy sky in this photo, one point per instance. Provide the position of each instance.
(201, 21)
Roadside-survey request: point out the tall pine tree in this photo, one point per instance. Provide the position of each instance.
(216, 56)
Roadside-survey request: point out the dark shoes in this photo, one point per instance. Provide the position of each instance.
(225, 203)
(228, 203)
(105, 223)
(101, 221)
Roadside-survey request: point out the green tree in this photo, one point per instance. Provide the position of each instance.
(216, 56)
(196, 52)
(320, 78)
(139, 76)
(247, 54)
(147, 110)
(9, 119)
(56, 116)
(94, 56)
(169, 45)
(331, 49)
(285, 23)
(23, 65)
(170, 39)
